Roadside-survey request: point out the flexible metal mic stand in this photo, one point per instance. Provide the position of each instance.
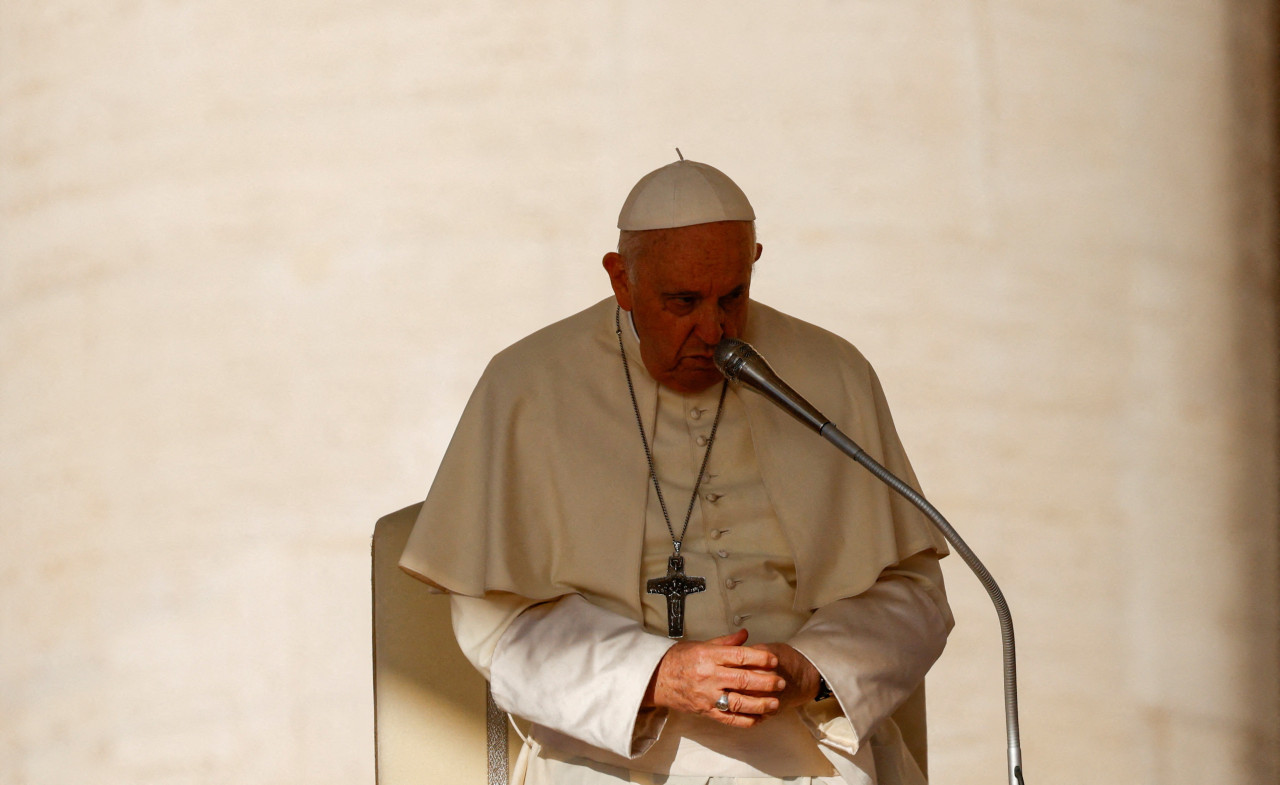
(740, 362)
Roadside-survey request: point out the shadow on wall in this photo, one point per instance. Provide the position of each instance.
(1253, 523)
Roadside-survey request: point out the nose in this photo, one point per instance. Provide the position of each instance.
(710, 325)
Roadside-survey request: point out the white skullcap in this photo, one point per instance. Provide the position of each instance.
(683, 194)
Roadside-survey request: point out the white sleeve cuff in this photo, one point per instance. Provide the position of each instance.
(873, 650)
(582, 671)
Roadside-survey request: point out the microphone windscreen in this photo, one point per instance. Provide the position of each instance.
(731, 354)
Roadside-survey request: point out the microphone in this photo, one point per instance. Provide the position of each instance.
(740, 362)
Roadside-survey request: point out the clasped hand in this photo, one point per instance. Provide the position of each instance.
(759, 680)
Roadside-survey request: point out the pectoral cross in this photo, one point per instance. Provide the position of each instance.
(675, 587)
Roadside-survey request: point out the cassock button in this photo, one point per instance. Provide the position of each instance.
(740, 618)
(715, 534)
(701, 440)
(731, 584)
(713, 497)
(722, 553)
(695, 414)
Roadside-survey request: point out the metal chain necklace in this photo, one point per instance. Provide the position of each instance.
(675, 585)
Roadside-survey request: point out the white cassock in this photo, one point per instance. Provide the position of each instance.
(576, 662)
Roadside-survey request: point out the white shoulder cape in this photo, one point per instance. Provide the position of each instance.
(542, 490)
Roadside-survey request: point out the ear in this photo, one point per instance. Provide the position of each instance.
(759, 250)
(616, 266)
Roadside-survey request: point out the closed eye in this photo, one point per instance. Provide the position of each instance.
(682, 303)
(732, 297)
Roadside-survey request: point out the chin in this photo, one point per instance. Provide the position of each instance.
(695, 383)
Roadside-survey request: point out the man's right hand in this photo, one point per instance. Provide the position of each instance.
(694, 674)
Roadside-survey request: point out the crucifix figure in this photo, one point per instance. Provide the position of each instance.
(675, 587)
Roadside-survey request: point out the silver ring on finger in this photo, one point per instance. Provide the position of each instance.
(722, 703)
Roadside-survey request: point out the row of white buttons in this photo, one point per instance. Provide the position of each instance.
(729, 583)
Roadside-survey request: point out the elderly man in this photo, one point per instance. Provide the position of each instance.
(667, 576)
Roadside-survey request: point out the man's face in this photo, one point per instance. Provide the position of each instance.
(687, 289)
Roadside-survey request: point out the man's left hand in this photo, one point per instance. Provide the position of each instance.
(799, 673)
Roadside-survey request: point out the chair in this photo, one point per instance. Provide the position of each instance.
(433, 719)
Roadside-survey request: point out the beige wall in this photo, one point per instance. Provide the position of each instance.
(254, 255)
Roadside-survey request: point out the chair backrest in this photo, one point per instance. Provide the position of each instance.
(433, 721)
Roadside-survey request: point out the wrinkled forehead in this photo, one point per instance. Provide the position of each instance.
(706, 258)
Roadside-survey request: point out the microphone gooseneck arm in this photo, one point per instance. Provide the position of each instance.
(740, 362)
